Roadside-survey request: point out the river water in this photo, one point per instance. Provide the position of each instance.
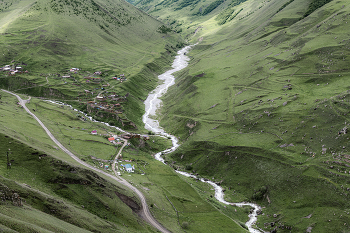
(153, 103)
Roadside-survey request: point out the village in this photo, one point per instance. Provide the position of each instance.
(122, 165)
(98, 100)
(13, 70)
(92, 88)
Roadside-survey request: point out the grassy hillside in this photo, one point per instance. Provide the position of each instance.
(263, 109)
(70, 195)
(188, 16)
(48, 38)
(41, 193)
(56, 192)
(54, 36)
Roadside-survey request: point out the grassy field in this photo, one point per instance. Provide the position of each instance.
(53, 188)
(265, 102)
(58, 195)
(262, 109)
(164, 189)
(196, 209)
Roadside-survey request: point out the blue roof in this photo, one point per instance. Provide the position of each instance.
(128, 166)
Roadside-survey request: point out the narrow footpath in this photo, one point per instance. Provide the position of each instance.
(146, 213)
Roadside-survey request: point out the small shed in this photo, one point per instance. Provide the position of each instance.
(111, 139)
(94, 132)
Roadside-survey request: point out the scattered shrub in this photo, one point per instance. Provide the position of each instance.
(163, 29)
(185, 225)
(260, 193)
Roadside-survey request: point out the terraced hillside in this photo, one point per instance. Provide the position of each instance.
(103, 40)
(263, 109)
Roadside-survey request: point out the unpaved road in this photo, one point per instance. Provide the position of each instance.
(146, 213)
(117, 156)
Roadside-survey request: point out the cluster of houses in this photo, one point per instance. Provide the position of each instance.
(12, 70)
(107, 107)
(121, 78)
(74, 70)
(127, 137)
(115, 139)
(110, 102)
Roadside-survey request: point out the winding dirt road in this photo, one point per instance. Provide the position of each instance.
(146, 213)
(117, 156)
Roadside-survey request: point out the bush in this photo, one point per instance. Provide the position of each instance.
(243, 225)
(260, 193)
(189, 167)
(185, 225)
(163, 29)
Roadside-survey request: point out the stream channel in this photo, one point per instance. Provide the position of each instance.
(153, 103)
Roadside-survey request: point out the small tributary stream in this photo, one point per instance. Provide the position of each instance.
(153, 103)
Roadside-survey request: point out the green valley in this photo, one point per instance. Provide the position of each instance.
(261, 110)
(264, 105)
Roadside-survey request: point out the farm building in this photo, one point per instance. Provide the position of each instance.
(129, 168)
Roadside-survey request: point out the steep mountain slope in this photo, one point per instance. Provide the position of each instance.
(48, 38)
(263, 108)
(57, 35)
(40, 193)
(188, 16)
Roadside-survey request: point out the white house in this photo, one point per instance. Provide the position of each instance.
(129, 168)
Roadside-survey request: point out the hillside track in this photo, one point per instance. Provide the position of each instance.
(117, 156)
(146, 214)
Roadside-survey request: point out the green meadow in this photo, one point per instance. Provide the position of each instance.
(262, 109)
(165, 190)
(59, 196)
(264, 105)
